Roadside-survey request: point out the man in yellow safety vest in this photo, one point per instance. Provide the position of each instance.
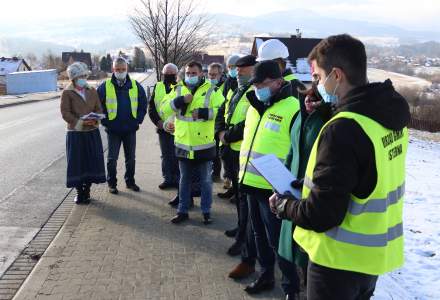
(349, 220)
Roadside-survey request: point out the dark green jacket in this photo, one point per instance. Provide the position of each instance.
(304, 132)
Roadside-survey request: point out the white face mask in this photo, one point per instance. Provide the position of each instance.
(121, 76)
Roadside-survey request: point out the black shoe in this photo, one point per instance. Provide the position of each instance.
(231, 232)
(87, 193)
(235, 249)
(174, 202)
(133, 187)
(292, 297)
(228, 194)
(207, 218)
(78, 199)
(166, 185)
(260, 285)
(179, 218)
(113, 190)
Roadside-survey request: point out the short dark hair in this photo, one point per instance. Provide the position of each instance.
(345, 52)
(216, 65)
(195, 64)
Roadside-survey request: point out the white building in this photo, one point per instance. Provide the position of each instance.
(31, 82)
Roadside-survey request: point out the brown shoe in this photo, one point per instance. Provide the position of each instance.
(241, 271)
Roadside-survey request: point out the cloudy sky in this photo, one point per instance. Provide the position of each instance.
(409, 14)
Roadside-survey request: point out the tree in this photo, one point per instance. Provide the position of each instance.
(52, 61)
(103, 64)
(139, 59)
(171, 30)
(31, 59)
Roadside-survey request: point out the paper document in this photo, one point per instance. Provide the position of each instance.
(278, 176)
(93, 116)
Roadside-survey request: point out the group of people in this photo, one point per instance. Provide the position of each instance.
(343, 138)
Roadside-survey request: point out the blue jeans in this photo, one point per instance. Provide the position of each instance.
(170, 165)
(128, 142)
(266, 228)
(189, 169)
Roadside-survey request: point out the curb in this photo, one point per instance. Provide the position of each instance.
(20, 269)
(26, 102)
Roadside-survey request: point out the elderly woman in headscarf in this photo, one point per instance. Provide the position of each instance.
(85, 159)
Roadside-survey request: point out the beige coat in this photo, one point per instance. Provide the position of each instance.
(73, 106)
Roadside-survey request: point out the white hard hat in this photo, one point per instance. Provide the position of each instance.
(272, 49)
(77, 69)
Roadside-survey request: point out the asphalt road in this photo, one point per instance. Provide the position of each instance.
(32, 171)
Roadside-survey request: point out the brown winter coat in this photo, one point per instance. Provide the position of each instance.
(73, 106)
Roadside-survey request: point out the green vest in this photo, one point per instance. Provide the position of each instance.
(268, 134)
(194, 135)
(289, 77)
(238, 115)
(370, 238)
(111, 101)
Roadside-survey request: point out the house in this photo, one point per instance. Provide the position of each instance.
(206, 59)
(299, 49)
(10, 65)
(71, 57)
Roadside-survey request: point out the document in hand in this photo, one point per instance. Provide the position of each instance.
(93, 116)
(278, 176)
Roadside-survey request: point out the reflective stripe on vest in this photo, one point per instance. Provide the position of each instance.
(268, 134)
(370, 238)
(111, 101)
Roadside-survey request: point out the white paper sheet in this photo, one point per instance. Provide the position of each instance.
(278, 176)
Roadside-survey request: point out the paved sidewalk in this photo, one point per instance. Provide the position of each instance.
(124, 247)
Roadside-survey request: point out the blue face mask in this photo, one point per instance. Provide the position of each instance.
(327, 97)
(233, 72)
(81, 82)
(191, 80)
(213, 81)
(263, 94)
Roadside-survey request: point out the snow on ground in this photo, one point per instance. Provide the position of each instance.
(419, 278)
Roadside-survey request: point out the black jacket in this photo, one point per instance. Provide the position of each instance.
(345, 162)
(285, 91)
(297, 85)
(152, 111)
(233, 133)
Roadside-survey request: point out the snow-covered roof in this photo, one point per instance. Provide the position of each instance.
(9, 65)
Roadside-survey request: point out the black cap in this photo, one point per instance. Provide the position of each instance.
(266, 69)
(246, 61)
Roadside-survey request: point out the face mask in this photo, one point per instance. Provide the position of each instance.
(213, 81)
(263, 94)
(170, 78)
(81, 82)
(327, 97)
(191, 80)
(233, 72)
(243, 79)
(121, 76)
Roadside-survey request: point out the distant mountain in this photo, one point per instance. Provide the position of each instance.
(102, 34)
(314, 25)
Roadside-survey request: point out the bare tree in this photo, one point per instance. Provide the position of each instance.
(171, 30)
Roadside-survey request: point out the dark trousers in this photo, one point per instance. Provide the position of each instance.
(290, 280)
(326, 283)
(241, 200)
(225, 154)
(128, 142)
(170, 164)
(249, 249)
(217, 162)
(266, 228)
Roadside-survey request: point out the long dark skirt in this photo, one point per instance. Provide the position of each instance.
(85, 158)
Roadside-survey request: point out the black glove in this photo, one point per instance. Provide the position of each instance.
(297, 183)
